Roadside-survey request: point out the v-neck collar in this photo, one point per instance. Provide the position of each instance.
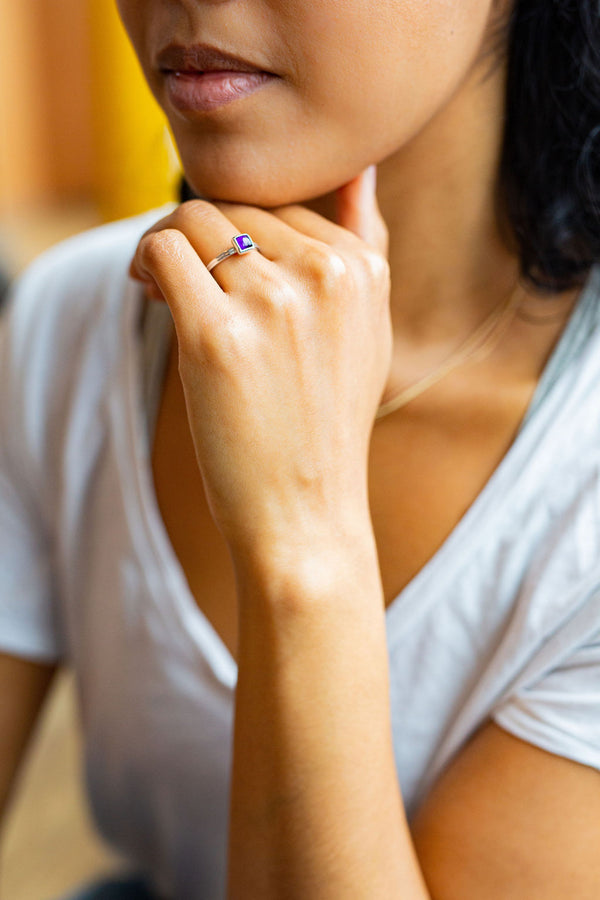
(463, 540)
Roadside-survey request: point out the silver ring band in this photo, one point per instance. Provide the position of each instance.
(242, 243)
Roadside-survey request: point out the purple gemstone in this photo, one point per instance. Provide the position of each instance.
(243, 242)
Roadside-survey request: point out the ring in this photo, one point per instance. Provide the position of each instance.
(242, 243)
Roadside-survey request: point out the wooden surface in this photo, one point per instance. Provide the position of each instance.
(49, 845)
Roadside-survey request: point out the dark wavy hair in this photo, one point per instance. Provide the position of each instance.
(548, 188)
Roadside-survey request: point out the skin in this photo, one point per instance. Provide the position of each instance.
(349, 281)
(318, 106)
(428, 111)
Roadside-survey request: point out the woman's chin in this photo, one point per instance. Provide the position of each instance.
(266, 192)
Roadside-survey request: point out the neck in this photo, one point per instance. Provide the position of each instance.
(449, 265)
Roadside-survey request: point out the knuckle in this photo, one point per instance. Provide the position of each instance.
(274, 293)
(284, 300)
(315, 254)
(377, 266)
(327, 267)
(156, 248)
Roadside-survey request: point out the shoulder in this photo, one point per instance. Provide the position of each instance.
(61, 338)
(67, 300)
(80, 272)
(558, 457)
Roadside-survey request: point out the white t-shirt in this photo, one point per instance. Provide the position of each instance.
(502, 622)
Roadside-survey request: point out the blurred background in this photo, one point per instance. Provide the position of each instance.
(81, 138)
(82, 142)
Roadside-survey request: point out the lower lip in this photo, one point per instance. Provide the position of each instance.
(204, 91)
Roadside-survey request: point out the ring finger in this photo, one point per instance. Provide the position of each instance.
(210, 231)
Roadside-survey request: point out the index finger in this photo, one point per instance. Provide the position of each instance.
(192, 294)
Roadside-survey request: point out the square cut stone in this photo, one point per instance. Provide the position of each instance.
(243, 243)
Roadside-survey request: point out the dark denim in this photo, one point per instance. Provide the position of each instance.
(130, 888)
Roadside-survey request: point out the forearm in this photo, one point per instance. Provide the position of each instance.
(316, 809)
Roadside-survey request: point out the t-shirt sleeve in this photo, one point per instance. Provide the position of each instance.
(559, 709)
(29, 626)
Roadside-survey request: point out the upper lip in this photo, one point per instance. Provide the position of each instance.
(201, 58)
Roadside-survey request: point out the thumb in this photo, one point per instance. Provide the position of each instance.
(357, 209)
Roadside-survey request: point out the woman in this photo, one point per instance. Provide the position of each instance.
(373, 478)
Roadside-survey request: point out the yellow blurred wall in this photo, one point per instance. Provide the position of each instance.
(76, 117)
(134, 167)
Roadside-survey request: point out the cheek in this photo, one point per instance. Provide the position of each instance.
(127, 12)
(146, 22)
(372, 65)
(133, 17)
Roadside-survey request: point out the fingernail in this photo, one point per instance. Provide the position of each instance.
(371, 179)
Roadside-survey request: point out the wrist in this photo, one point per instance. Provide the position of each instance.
(311, 565)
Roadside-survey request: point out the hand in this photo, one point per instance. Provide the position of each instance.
(283, 355)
